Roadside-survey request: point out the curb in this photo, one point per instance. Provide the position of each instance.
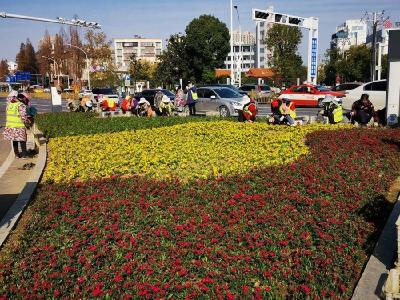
(370, 285)
(13, 214)
(7, 163)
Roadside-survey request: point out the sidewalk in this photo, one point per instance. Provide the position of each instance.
(18, 181)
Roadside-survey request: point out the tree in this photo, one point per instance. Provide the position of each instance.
(173, 62)
(206, 47)
(76, 57)
(26, 58)
(45, 50)
(98, 49)
(3, 70)
(21, 58)
(351, 65)
(283, 42)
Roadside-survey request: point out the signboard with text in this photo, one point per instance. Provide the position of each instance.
(314, 46)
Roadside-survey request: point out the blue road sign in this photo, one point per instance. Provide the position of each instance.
(314, 46)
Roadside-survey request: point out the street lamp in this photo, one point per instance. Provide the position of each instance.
(55, 67)
(239, 63)
(87, 63)
(232, 75)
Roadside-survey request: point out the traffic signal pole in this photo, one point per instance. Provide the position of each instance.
(311, 23)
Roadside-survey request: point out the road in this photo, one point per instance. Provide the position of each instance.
(44, 106)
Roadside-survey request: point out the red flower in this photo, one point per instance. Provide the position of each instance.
(245, 289)
(305, 289)
(97, 292)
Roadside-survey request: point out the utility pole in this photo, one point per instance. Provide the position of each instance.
(240, 57)
(377, 20)
(232, 58)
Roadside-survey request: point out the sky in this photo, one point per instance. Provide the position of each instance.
(161, 18)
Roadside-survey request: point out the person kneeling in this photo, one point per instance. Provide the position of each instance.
(166, 107)
(249, 111)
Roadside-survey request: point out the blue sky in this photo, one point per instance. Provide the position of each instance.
(159, 19)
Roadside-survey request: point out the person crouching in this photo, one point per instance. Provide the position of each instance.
(249, 111)
(166, 107)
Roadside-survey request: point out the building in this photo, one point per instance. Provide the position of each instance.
(143, 48)
(350, 33)
(248, 50)
(382, 36)
(264, 55)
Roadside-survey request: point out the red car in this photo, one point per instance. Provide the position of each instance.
(309, 95)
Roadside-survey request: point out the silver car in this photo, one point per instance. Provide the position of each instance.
(214, 100)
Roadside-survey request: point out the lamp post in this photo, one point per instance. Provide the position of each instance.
(232, 75)
(87, 63)
(55, 67)
(239, 62)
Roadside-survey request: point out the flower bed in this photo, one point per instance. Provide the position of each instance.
(75, 124)
(300, 229)
(187, 151)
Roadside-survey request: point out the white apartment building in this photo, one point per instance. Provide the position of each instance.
(247, 42)
(146, 49)
(350, 33)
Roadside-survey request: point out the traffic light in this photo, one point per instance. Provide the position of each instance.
(278, 18)
(259, 14)
(295, 21)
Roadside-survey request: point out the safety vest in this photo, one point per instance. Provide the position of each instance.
(292, 113)
(13, 117)
(338, 114)
(110, 103)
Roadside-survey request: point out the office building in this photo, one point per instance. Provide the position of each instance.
(247, 42)
(143, 48)
(350, 33)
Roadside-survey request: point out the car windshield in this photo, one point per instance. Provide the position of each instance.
(265, 88)
(227, 93)
(167, 93)
(322, 88)
(104, 91)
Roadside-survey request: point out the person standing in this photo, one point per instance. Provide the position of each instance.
(191, 99)
(179, 99)
(15, 130)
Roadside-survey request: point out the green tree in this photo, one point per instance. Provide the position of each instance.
(283, 42)
(3, 70)
(207, 45)
(173, 62)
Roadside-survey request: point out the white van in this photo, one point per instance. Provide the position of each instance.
(376, 91)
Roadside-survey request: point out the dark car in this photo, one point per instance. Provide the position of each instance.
(229, 86)
(263, 89)
(346, 86)
(105, 92)
(151, 93)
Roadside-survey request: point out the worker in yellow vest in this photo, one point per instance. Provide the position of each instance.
(288, 111)
(15, 130)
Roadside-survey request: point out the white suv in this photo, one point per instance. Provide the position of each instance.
(376, 91)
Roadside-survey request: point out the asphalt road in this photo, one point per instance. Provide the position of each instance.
(44, 106)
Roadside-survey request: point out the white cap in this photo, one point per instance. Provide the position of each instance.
(165, 99)
(12, 94)
(246, 99)
(142, 100)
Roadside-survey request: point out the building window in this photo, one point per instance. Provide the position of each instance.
(146, 44)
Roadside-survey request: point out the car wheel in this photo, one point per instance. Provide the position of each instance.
(320, 102)
(224, 111)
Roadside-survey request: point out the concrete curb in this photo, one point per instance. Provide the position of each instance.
(13, 214)
(7, 163)
(370, 285)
